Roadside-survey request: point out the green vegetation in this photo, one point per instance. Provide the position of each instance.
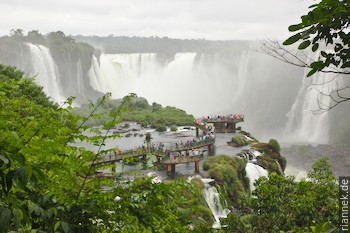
(271, 159)
(229, 173)
(141, 112)
(148, 136)
(239, 141)
(283, 205)
(326, 22)
(48, 184)
(242, 140)
(275, 145)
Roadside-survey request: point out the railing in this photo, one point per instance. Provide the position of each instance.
(160, 152)
(223, 120)
(197, 143)
(181, 158)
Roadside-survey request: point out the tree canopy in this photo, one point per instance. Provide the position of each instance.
(327, 22)
(47, 182)
(322, 38)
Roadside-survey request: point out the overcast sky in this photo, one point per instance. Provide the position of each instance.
(190, 19)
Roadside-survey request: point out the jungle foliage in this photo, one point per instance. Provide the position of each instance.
(47, 182)
(142, 112)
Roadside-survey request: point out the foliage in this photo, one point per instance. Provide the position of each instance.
(148, 136)
(139, 111)
(235, 224)
(240, 141)
(229, 173)
(275, 145)
(327, 21)
(47, 182)
(283, 204)
(270, 160)
(173, 128)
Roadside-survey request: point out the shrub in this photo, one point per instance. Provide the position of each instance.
(148, 136)
(239, 141)
(161, 128)
(173, 128)
(275, 145)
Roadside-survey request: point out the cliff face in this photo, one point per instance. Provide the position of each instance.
(71, 62)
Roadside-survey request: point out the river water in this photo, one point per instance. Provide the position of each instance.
(169, 138)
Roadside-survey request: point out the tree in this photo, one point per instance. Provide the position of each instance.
(283, 204)
(47, 182)
(325, 30)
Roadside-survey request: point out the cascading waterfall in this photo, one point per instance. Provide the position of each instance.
(45, 69)
(96, 78)
(303, 125)
(80, 78)
(212, 198)
(213, 82)
(254, 172)
(187, 81)
(242, 74)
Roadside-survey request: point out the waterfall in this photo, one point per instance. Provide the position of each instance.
(303, 125)
(254, 172)
(191, 81)
(80, 78)
(96, 78)
(242, 74)
(212, 198)
(45, 69)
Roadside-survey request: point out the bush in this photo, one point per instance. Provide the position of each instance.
(161, 128)
(173, 128)
(275, 145)
(148, 136)
(239, 141)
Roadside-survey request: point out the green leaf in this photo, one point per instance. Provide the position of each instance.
(296, 27)
(315, 47)
(292, 39)
(346, 64)
(57, 224)
(65, 227)
(311, 72)
(4, 159)
(304, 45)
(5, 215)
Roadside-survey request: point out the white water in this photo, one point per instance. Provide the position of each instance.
(240, 81)
(187, 81)
(212, 198)
(304, 124)
(45, 70)
(254, 172)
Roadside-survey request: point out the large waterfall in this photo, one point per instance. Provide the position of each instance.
(45, 71)
(205, 83)
(305, 123)
(276, 98)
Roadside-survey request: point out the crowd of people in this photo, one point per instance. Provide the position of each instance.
(202, 120)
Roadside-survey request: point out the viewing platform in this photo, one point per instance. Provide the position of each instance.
(220, 124)
(186, 153)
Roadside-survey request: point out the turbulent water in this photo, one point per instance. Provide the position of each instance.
(211, 196)
(254, 172)
(275, 97)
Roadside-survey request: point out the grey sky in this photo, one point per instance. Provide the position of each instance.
(209, 19)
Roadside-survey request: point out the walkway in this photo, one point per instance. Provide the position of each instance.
(221, 124)
(186, 153)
